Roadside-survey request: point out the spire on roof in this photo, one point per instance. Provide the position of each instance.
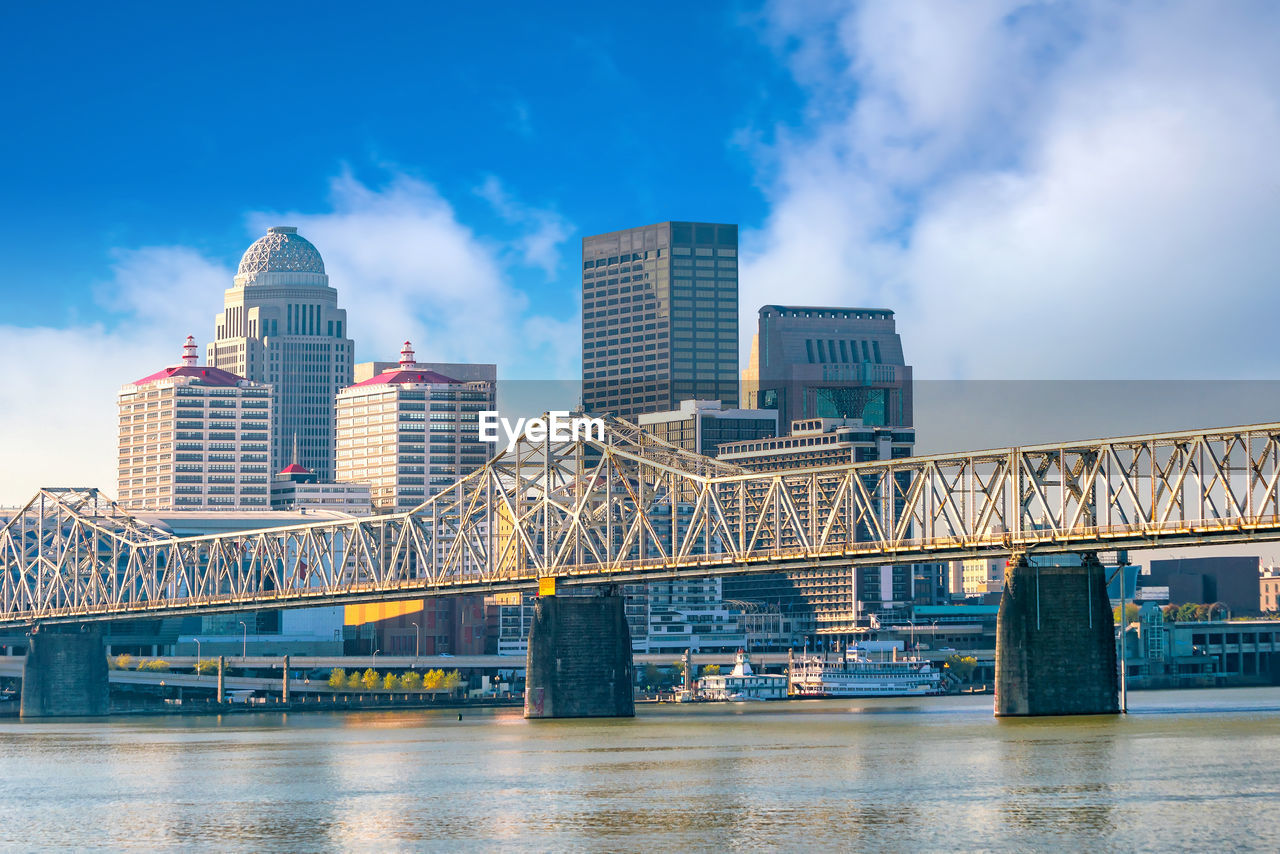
(189, 357)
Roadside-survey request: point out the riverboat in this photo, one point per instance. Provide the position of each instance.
(855, 675)
(742, 684)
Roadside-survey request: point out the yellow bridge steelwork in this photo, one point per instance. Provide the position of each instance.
(632, 508)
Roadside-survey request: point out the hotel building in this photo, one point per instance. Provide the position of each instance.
(410, 432)
(194, 438)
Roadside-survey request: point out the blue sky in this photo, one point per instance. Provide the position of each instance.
(1040, 190)
(144, 129)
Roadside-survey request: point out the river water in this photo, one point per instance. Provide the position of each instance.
(1191, 770)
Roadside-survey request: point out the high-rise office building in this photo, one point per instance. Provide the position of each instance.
(194, 437)
(821, 362)
(659, 317)
(281, 324)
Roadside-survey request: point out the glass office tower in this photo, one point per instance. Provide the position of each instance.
(659, 317)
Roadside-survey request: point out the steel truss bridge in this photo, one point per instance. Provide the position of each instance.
(632, 508)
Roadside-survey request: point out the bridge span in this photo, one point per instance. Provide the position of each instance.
(631, 508)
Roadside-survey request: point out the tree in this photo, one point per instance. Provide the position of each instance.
(652, 675)
(390, 682)
(961, 666)
(370, 679)
(431, 681)
(337, 678)
(411, 681)
(1187, 613)
(1130, 613)
(122, 662)
(155, 666)
(208, 665)
(711, 670)
(353, 681)
(451, 681)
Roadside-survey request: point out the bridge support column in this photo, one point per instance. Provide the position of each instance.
(65, 674)
(579, 663)
(1055, 641)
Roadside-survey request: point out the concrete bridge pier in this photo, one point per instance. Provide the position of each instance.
(579, 663)
(1055, 641)
(65, 674)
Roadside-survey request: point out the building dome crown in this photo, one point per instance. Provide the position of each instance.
(281, 250)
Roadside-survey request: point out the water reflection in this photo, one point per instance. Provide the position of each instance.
(938, 773)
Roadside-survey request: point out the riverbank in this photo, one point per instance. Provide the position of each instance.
(313, 703)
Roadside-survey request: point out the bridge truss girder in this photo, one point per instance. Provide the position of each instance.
(632, 508)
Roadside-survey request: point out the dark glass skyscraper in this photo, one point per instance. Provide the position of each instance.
(659, 317)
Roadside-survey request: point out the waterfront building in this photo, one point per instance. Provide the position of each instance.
(436, 625)
(510, 616)
(842, 600)
(410, 432)
(1269, 590)
(704, 425)
(281, 325)
(1161, 654)
(194, 437)
(669, 617)
(826, 362)
(979, 576)
(298, 488)
(659, 317)
(1233, 581)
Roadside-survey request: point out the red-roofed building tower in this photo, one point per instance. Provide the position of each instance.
(410, 431)
(194, 437)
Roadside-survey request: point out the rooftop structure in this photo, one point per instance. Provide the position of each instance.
(704, 425)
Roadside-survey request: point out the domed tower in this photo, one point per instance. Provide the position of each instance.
(281, 324)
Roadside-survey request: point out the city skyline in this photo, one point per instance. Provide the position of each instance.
(939, 164)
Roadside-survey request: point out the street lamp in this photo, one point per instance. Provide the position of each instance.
(197, 640)
(244, 641)
(417, 638)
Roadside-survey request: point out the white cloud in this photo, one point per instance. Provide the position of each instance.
(540, 245)
(59, 421)
(1039, 190)
(404, 266)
